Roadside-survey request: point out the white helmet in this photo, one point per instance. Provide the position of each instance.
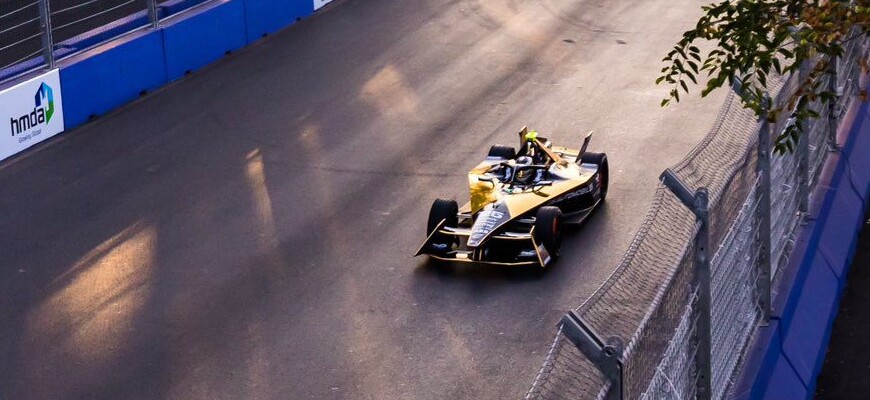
(524, 160)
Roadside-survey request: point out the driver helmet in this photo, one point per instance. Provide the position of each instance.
(524, 160)
(531, 136)
(525, 175)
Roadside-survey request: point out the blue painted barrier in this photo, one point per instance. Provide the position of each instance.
(202, 35)
(787, 356)
(108, 76)
(100, 79)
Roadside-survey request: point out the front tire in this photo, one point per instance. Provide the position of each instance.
(442, 210)
(548, 229)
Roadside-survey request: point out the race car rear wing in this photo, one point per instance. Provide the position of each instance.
(553, 156)
(583, 147)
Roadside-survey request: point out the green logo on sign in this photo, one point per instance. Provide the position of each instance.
(45, 94)
(41, 114)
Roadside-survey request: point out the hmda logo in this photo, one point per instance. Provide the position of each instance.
(30, 112)
(41, 114)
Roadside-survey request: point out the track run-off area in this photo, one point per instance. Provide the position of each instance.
(248, 232)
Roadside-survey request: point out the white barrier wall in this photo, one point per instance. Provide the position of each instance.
(30, 112)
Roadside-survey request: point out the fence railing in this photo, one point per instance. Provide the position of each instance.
(34, 34)
(695, 283)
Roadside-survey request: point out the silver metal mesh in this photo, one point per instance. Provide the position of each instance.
(849, 70)
(656, 330)
(76, 21)
(20, 37)
(75, 26)
(734, 315)
(818, 133)
(675, 379)
(734, 305)
(178, 6)
(784, 202)
(649, 299)
(567, 374)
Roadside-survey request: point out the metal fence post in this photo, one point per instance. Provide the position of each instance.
(698, 202)
(763, 220)
(152, 13)
(803, 154)
(45, 25)
(833, 106)
(605, 355)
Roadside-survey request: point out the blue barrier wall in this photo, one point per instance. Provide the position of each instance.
(204, 34)
(788, 354)
(115, 73)
(108, 76)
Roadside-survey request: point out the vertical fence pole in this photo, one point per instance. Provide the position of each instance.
(45, 25)
(803, 154)
(833, 106)
(703, 276)
(606, 355)
(152, 13)
(763, 219)
(698, 202)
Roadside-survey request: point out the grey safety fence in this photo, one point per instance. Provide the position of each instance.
(21, 33)
(34, 34)
(682, 341)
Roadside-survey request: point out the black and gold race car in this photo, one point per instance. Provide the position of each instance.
(519, 201)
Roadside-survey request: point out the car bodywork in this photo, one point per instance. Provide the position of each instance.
(497, 225)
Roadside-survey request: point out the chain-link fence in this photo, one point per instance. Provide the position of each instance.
(34, 34)
(653, 299)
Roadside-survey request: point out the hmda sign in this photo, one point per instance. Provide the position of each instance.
(30, 112)
(41, 114)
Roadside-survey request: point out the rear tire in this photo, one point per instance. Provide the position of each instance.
(499, 151)
(442, 210)
(548, 229)
(599, 159)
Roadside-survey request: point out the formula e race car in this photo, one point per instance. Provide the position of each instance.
(519, 201)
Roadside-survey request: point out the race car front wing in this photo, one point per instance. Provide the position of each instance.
(504, 248)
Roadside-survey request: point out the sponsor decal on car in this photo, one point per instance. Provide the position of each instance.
(488, 219)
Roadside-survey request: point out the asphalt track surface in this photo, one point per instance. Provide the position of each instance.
(844, 373)
(248, 231)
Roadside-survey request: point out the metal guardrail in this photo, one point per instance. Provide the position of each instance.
(680, 328)
(36, 33)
